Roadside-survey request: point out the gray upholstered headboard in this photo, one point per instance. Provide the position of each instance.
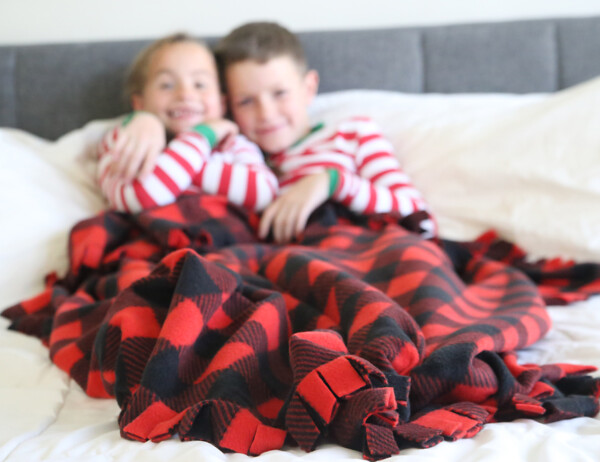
(51, 89)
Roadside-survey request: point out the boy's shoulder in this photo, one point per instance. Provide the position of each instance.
(350, 124)
(349, 128)
(359, 120)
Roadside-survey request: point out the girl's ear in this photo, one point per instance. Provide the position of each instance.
(311, 83)
(137, 102)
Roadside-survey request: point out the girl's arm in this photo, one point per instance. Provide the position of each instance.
(138, 144)
(240, 174)
(175, 168)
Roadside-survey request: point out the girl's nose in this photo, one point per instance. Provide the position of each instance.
(184, 92)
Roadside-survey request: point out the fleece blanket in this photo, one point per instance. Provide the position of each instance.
(361, 333)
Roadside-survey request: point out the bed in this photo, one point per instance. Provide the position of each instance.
(496, 123)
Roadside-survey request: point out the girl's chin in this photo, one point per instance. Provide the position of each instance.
(181, 127)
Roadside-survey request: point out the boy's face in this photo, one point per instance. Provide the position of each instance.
(182, 87)
(270, 101)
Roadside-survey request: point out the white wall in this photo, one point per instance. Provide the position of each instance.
(40, 21)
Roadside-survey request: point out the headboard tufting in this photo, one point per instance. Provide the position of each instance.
(51, 89)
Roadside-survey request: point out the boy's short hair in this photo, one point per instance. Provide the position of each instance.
(260, 42)
(137, 74)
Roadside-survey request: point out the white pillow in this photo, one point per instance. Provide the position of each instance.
(46, 187)
(527, 166)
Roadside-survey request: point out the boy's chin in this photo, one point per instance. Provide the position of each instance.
(281, 140)
(274, 146)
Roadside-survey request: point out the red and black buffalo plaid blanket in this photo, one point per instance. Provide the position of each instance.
(361, 334)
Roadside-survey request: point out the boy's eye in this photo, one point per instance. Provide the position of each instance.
(280, 93)
(199, 85)
(244, 102)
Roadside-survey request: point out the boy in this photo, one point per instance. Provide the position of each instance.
(269, 87)
(174, 88)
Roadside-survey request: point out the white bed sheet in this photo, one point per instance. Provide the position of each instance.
(45, 416)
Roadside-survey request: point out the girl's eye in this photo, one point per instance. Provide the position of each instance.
(280, 93)
(199, 85)
(165, 85)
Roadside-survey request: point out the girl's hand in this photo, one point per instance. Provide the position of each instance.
(137, 147)
(289, 213)
(225, 131)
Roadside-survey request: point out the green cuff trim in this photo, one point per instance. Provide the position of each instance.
(208, 133)
(334, 179)
(129, 117)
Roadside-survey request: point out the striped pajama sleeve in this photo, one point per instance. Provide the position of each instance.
(175, 169)
(379, 184)
(241, 175)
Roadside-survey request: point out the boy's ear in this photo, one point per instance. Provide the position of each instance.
(311, 81)
(137, 102)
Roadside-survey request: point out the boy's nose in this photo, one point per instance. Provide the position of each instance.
(265, 110)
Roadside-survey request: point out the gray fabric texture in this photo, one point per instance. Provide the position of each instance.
(389, 59)
(52, 89)
(579, 50)
(55, 85)
(7, 86)
(503, 58)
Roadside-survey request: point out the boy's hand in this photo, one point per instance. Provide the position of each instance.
(137, 147)
(289, 213)
(225, 131)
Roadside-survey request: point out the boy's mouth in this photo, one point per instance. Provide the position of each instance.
(263, 131)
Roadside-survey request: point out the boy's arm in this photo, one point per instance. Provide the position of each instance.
(240, 174)
(288, 214)
(380, 185)
(175, 168)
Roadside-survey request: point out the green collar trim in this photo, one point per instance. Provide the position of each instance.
(314, 128)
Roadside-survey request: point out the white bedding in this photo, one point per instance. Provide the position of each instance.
(46, 416)
(525, 165)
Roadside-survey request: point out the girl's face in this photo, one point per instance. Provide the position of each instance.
(182, 87)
